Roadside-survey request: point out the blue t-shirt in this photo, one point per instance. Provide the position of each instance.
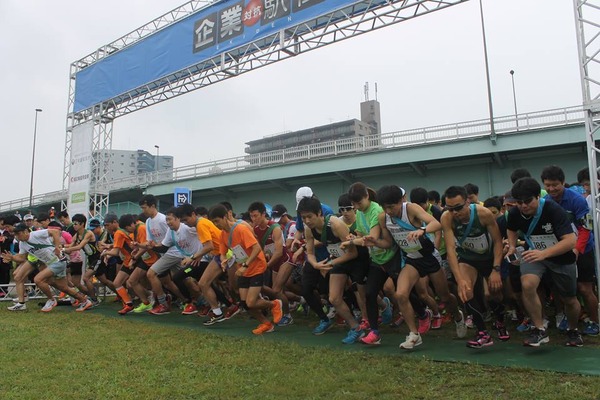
(577, 211)
(321, 252)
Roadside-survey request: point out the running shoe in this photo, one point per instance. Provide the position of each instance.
(75, 302)
(574, 338)
(264, 328)
(591, 328)
(386, 314)
(18, 307)
(564, 324)
(502, 332)
(525, 325)
(142, 308)
(482, 339)
(96, 303)
(461, 326)
(536, 338)
(364, 324)
(86, 305)
(204, 311)
(276, 310)
(161, 309)
(232, 311)
(213, 318)
(436, 322)
(469, 322)
(373, 338)
(190, 309)
(425, 323)
(412, 340)
(398, 321)
(354, 336)
(323, 327)
(127, 308)
(286, 320)
(49, 306)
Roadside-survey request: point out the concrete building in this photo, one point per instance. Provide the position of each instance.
(126, 163)
(368, 125)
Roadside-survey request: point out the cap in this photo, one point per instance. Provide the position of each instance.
(28, 217)
(278, 211)
(110, 218)
(301, 193)
(508, 198)
(94, 223)
(402, 190)
(20, 227)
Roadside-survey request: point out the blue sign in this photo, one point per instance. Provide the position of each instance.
(221, 27)
(182, 196)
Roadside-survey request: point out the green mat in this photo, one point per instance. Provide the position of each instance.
(437, 345)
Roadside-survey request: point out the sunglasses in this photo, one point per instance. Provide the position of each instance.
(347, 208)
(526, 201)
(456, 208)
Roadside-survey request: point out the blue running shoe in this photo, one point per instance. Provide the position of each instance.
(564, 324)
(323, 327)
(354, 336)
(591, 328)
(525, 325)
(386, 314)
(286, 320)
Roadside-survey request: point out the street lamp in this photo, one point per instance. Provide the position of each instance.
(37, 110)
(512, 77)
(487, 77)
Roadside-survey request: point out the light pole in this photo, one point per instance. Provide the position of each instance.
(37, 110)
(512, 77)
(487, 77)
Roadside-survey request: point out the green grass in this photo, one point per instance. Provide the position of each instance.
(66, 355)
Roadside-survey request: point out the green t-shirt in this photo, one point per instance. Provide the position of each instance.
(367, 220)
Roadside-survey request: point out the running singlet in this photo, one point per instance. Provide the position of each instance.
(240, 239)
(40, 245)
(473, 240)
(328, 239)
(400, 228)
(182, 243)
(367, 220)
(265, 239)
(156, 228)
(90, 249)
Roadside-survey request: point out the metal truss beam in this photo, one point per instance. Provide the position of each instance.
(587, 20)
(354, 20)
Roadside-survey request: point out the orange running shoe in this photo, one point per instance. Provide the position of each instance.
(277, 311)
(264, 328)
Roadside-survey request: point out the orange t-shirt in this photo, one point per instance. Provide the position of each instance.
(244, 237)
(123, 241)
(208, 232)
(150, 256)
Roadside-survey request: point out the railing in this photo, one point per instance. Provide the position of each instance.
(413, 137)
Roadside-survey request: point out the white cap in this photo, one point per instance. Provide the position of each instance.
(303, 192)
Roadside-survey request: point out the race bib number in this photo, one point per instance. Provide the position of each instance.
(542, 242)
(240, 254)
(145, 256)
(407, 245)
(477, 244)
(335, 251)
(269, 249)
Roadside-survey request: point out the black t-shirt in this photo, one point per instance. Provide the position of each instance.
(553, 222)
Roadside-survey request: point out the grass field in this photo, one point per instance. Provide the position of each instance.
(67, 355)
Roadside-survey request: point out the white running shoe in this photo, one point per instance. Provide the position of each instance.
(18, 307)
(461, 326)
(412, 340)
(50, 304)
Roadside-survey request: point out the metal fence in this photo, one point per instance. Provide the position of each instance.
(513, 124)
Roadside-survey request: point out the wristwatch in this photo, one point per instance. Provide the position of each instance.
(244, 265)
(496, 268)
(424, 229)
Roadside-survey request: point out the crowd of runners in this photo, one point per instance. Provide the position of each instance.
(386, 257)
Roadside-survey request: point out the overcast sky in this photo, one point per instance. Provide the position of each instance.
(429, 71)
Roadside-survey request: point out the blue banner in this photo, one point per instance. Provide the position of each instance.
(221, 27)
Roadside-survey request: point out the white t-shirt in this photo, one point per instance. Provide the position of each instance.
(156, 228)
(40, 245)
(183, 242)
